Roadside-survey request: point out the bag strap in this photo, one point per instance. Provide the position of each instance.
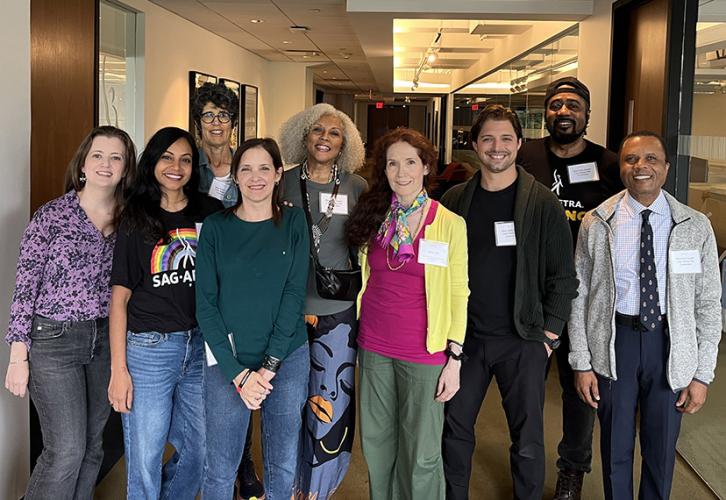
(308, 216)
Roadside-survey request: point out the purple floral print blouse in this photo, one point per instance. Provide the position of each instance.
(64, 268)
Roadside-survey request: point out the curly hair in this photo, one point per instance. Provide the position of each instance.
(219, 95)
(372, 206)
(295, 130)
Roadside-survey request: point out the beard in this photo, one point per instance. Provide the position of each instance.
(564, 137)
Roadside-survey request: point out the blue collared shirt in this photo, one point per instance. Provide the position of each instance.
(206, 178)
(626, 226)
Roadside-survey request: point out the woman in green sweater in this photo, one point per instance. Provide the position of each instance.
(252, 265)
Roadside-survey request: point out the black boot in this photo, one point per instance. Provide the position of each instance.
(569, 485)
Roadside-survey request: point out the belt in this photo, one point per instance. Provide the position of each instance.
(633, 321)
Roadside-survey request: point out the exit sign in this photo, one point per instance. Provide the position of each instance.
(379, 105)
(475, 107)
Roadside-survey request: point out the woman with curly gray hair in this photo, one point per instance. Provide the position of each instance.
(326, 148)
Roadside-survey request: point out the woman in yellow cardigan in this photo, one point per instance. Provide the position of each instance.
(412, 310)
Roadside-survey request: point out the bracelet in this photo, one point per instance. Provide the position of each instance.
(271, 363)
(18, 361)
(242, 382)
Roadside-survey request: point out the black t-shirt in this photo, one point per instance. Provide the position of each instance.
(491, 268)
(552, 171)
(161, 276)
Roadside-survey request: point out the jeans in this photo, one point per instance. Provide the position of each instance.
(227, 419)
(70, 369)
(167, 375)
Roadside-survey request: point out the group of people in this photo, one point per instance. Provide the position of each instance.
(196, 286)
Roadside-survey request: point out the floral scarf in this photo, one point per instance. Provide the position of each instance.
(395, 231)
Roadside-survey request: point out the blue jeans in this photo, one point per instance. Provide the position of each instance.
(70, 368)
(227, 419)
(167, 375)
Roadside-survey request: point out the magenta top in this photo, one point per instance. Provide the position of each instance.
(393, 318)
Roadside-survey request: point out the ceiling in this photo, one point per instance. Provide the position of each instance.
(378, 46)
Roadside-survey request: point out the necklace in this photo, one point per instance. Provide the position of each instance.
(318, 229)
(418, 227)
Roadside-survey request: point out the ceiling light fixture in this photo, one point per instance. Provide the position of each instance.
(427, 58)
(256, 21)
(295, 28)
(286, 42)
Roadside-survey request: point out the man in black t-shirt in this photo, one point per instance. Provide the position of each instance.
(522, 282)
(582, 175)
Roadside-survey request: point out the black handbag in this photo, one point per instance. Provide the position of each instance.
(331, 284)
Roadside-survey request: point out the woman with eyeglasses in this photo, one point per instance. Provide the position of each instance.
(58, 329)
(215, 111)
(157, 352)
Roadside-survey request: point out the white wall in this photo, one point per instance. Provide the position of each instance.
(593, 66)
(14, 213)
(175, 46)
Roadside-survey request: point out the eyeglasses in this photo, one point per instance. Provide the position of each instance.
(222, 116)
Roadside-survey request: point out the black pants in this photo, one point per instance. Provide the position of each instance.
(578, 418)
(519, 368)
(641, 363)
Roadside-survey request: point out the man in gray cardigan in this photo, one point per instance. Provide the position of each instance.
(646, 323)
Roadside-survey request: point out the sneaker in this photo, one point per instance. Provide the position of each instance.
(248, 484)
(569, 485)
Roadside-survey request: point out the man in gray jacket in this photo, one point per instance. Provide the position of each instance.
(646, 323)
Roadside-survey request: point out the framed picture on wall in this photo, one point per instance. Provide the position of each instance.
(249, 112)
(196, 80)
(235, 87)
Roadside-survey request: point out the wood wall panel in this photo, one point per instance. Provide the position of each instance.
(63, 89)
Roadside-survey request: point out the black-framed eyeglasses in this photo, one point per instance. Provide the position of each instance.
(222, 116)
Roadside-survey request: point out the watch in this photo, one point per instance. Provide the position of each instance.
(553, 343)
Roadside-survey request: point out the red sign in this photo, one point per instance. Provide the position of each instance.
(379, 105)
(475, 107)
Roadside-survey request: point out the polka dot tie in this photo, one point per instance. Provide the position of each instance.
(650, 315)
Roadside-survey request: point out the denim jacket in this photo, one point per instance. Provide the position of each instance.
(206, 176)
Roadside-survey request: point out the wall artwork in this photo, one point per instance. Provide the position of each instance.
(249, 112)
(235, 87)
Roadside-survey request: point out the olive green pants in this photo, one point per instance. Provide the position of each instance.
(400, 428)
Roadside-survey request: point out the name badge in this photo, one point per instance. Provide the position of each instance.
(504, 235)
(433, 252)
(341, 203)
(211, 360)
(198, 225)
(685, 261)
(583, 172)
(219, 188)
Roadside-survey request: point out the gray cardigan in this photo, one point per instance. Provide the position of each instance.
(694, 309)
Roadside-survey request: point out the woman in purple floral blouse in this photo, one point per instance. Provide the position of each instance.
(58, 329)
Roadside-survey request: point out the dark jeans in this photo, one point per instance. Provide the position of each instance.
(70, 368)
(578, 418)
(641, 360)
(519, 367)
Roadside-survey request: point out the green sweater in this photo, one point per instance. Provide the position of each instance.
(545, 282)
(250, 283)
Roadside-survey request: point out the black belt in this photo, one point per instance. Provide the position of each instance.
(633, 321)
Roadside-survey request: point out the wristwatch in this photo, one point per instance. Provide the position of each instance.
(553, 343)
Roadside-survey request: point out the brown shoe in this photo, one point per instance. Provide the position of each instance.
(569, 485)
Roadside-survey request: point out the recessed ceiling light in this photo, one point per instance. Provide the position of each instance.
(256, 21)
(286, 42)
(315, 11)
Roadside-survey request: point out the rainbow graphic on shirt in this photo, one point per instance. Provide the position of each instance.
(179, 253)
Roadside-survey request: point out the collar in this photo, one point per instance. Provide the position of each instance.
(679, 211)
(634, 208)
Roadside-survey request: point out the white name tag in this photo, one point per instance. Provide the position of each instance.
(583, 172)
(211, 360)
(504, 235)
(341, 203)
(433, 252)
(219, 188)
(199, 229)
(685, 261)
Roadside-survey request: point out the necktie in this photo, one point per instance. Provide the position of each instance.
(649, 303)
